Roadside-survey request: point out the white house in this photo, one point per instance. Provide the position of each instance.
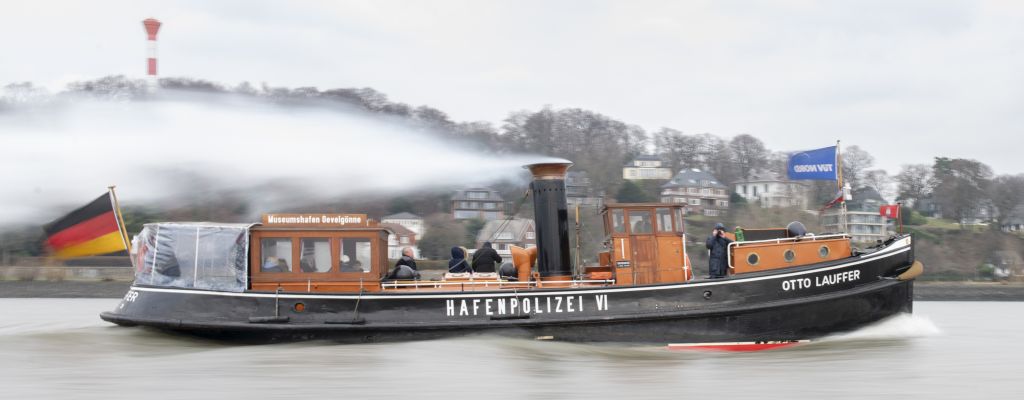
(769, 190)
(646, 167)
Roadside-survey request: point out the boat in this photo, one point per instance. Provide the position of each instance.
(295, 277)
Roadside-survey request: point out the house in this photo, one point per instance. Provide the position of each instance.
(700, 191)
(646, 167)
(983, 212)
(770, 190)
(1014, 223)
(510, 232)
(401, 238)
(863, 222)
(579, 192)
(411, 221)
(1006, 263)
(482, 203)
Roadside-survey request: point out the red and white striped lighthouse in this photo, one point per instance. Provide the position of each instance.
(152, 27)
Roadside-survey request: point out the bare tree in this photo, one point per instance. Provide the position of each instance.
(1007, 192)
(855, 162)
(914, 183)
(880, 180)
(748, 155)
(961, 186)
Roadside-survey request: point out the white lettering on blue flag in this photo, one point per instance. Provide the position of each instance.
(818, 164)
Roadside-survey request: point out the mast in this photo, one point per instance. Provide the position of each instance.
(842, 221)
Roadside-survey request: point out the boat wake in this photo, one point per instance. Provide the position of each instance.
(902, 326)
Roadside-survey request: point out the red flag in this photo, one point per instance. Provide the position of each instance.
(839, 198)
(890, 211)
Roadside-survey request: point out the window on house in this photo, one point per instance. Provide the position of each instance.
(530, 235)
(489, 206)
(476, 195)
(694, 202)
(404, 240)
(503, 236)
(463, 214)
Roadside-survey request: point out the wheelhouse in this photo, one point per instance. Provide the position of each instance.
(645, 243)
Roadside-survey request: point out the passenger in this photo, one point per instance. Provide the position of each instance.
(306, 264)
(407, 259)
(274, 264)
(405, 268)
(458, 263)
(508, 271)
(718, 245)
(485, 258)
(349, 265)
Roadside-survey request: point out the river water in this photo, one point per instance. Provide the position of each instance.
(59, 348)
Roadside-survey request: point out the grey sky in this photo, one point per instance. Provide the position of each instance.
(906, 81)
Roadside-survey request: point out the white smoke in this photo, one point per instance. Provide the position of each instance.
(67, 152)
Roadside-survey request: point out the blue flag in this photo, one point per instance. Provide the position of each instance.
(819, 164)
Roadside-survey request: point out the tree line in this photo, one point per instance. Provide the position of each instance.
(598, 144)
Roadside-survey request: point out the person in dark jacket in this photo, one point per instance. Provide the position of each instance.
(458, 263)
(718, 244)
(407, 259)
(405, 268)
(485, 258)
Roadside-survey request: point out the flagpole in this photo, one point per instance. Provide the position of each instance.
(899, 215)
(839, 185)
(839, 168)
(120, 219)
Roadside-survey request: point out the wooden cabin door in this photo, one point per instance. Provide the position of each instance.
(642, 245)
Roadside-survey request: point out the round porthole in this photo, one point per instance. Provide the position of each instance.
(299, 307)
(823, 251)
(789, 255)
(752, 259)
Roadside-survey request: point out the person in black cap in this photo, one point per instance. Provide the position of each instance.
(485, 258)
(718, 245)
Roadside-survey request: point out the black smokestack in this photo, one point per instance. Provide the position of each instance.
(549, 209)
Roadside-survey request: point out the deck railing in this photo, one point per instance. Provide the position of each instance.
(490, 283)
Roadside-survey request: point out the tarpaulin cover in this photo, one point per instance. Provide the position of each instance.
(198, 255)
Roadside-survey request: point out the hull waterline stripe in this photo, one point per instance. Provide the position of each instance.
(451, 295)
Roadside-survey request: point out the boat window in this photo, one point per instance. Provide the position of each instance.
(789, 255)
(356, 255)
(276, 254)
(752, 259)
(823, 251)
(664, 219)
(679, 219)
(640, 221)
(315, 255)
(618, 221)
(204, 256)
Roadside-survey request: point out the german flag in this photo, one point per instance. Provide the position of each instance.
(91, 230)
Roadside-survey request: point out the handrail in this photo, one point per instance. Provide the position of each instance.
(811, 238)
(489, 283)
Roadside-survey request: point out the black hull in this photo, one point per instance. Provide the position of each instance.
(801, 303)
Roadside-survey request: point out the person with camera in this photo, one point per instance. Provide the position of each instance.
(718, 245)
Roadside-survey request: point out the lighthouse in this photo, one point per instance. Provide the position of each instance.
(152, 27)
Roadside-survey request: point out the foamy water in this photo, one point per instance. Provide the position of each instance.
(59, 348)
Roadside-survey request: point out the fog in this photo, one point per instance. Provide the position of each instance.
(61, 153)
